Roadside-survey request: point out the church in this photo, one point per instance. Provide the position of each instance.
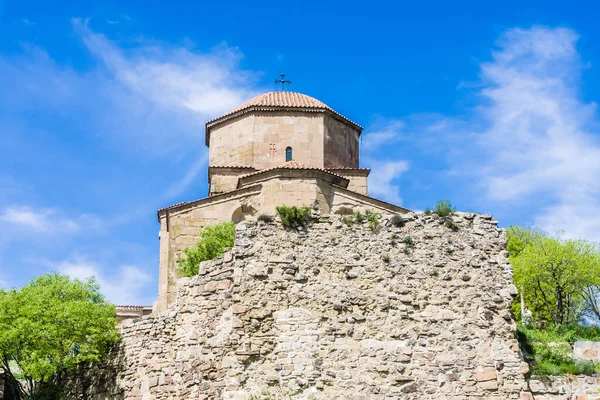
(279, 148)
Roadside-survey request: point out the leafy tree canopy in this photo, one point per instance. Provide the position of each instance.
(51, 326)
(559, 278)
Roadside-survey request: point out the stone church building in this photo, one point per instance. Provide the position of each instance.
(279, 148)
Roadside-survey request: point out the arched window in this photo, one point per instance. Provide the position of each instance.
(288, 154)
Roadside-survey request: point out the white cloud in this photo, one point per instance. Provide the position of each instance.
(531, 140)
(205, 84)
(146, 98)
(381, 134)
(128, 286)
(542, 138)
(382, 180)
(46, 220)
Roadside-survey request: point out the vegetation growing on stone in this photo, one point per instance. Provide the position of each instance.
(397, 221)
(409, 244)
(348, 220)
(451, 224)
(293, 217)
(50, 327)
(359, 217)
(373, 219)
(444, 208)
(265, 218)
(213, 241)
(394, 239)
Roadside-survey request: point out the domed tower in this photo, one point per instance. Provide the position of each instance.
(279, 148)
(275, 128)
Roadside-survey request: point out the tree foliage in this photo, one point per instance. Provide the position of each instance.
(213, 241)
(559, 278)
(50, 327)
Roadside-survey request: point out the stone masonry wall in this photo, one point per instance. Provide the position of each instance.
(337, 312)
(564, 388)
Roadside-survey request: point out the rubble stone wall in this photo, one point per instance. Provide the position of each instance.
(564, 388)
(337, 312)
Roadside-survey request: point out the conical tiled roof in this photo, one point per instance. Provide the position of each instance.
(284, 99)
(281, 100)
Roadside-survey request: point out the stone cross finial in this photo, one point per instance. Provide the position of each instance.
(283, 82)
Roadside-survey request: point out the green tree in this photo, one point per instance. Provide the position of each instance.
(51, 327)
(213, 242)
(558, 277)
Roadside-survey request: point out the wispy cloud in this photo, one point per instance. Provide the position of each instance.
(531, 140)
(128, 285)
(383, 182)
(382, 133)
(375, 154)
(542, 138)
(47, 220)
(205, 84)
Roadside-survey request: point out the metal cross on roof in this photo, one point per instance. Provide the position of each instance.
(283, 82)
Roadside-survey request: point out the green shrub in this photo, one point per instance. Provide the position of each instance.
(293, 217)
(451, 224)
(409, 244)
(444, 208)
(386, 258)
(427, 211)
(265, 218)
(397, 221)
(359, 217)
(548, 350)
(213, 242)
(348, 220)
(394, 239)
(373, 219)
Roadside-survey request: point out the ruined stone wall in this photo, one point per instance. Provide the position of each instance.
(337, 312)
(564, 388)
(180, 229)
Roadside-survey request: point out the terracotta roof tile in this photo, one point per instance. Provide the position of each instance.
(231, 166)
(129, 307)
(174, 205)
(348, 169)
(277, 100)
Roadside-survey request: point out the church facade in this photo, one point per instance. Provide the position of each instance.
(279, 148)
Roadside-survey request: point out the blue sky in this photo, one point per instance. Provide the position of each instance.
(102, 111)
